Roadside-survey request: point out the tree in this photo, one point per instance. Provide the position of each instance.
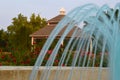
(3, 40)
(36, 22)
(21, 28)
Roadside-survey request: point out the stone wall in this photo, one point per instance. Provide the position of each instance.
(23, 73)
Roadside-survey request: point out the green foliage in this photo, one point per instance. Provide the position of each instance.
(17, 42)
(21, 28)
(3, 40)
(36, 22)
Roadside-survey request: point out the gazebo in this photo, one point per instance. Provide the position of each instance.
(44, 33)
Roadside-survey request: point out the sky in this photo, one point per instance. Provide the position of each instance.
(45, 8)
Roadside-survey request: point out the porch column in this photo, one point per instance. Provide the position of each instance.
(91, 45)
(62, 42)
(32, 40)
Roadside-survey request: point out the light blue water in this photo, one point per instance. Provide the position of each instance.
(100, 36)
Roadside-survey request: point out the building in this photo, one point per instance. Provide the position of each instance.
(51, 24)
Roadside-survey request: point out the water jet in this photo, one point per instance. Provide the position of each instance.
(98, 38)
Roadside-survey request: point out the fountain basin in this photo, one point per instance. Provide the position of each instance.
(23, 73)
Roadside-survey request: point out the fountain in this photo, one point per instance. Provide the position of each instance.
(99, 36)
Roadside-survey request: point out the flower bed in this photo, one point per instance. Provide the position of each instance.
(27, 58)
